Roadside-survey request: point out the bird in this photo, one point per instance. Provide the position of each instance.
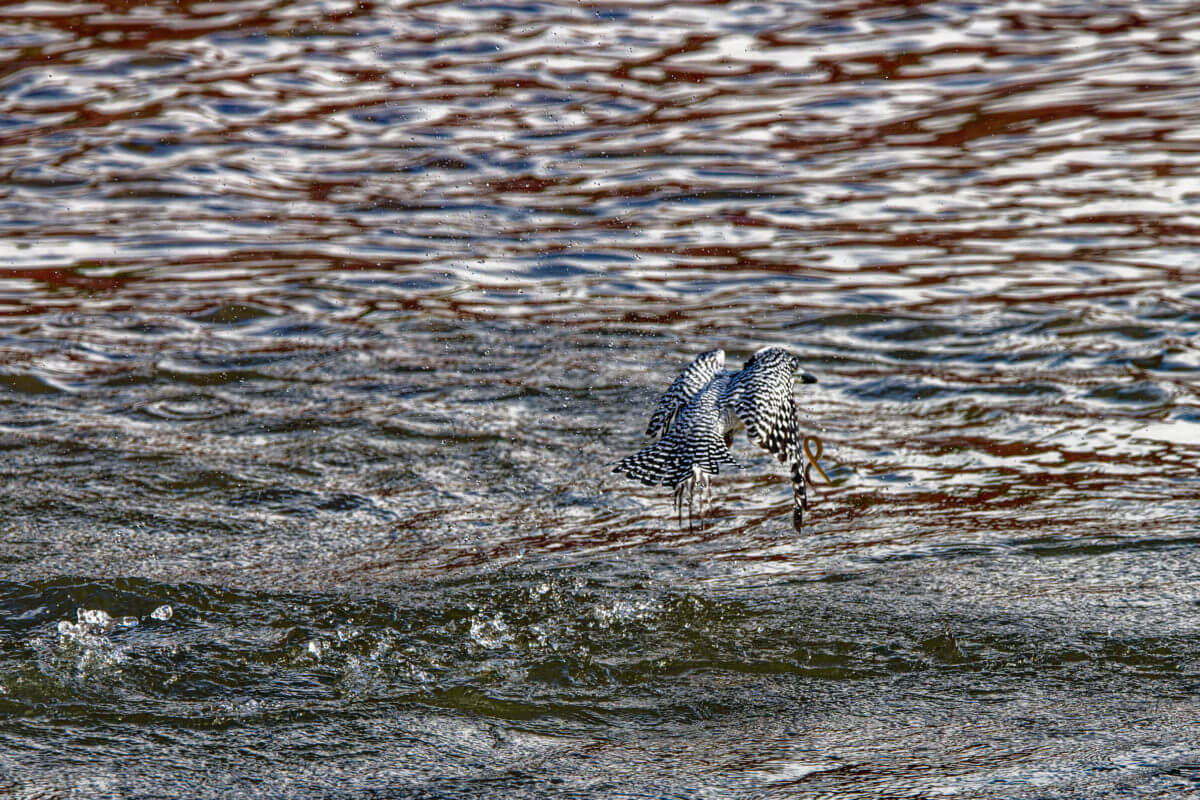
(696, 418)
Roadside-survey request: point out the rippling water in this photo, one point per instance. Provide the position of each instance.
(322, 324)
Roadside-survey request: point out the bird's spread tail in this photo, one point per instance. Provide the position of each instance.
(671, 461)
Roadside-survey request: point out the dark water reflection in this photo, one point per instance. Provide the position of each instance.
(321, 323)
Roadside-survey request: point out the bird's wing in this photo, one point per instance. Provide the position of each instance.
(761, 395)
(694, 378)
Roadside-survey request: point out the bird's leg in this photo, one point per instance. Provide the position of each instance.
(679, 487)
(699, 481)
(707, 495)
(691, 500)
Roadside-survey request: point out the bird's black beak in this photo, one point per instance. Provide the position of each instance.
(806, 378)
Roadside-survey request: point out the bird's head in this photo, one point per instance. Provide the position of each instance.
(773, 354)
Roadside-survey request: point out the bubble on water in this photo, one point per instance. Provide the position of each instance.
(375, 671)
(619, 611)
(87, 640)
(234, 709)
(316, 648)
(162, 613)
(540, 637)
(489, 633)
(94, 618)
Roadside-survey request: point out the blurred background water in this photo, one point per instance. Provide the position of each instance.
(322, 323)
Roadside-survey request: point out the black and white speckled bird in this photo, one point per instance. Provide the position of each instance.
(698, 415)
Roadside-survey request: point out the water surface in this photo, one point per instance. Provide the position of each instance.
(321, 326)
